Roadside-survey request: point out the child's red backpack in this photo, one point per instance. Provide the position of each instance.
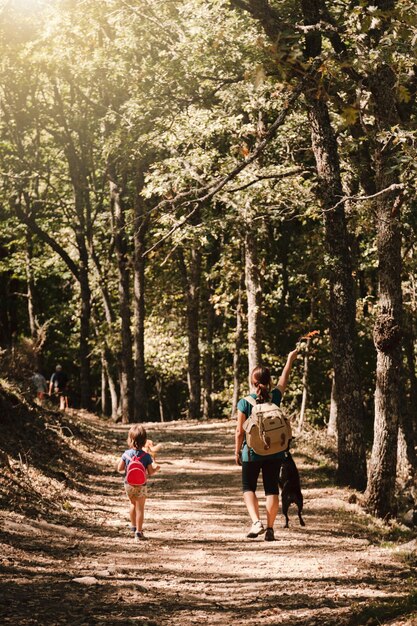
(136, 472)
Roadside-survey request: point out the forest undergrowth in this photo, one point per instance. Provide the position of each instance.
(68, 557)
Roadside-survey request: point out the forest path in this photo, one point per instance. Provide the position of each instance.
(197, 567)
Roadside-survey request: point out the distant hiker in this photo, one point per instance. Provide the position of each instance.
(40, 385)
(253, 463)
(58, 384)
(135, 480)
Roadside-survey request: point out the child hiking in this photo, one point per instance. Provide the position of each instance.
(251, 462)
(138, 491)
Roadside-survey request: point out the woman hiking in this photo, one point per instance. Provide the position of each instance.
(253, 463)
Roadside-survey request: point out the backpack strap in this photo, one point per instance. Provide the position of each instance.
(136, 456)
(251, 400)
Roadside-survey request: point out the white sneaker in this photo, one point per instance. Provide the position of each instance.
(257, 529)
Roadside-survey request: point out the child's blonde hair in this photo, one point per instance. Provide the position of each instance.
(137, 436)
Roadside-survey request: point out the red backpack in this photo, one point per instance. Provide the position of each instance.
(136, 472)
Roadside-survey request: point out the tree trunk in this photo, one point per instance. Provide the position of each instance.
(406, 456)
(239, 339)
(208, 358)
(332, 425)
(350, 413)
(158, 385)
(125, 357)
(109, 359)
(85, 292)
(30, 285)
(113, 393)
(254, 300)
(409, 341)
(141, 222)
(406, 453)
(351, 446)
(210, 319)
(78, 172)
(380, 494)
(305, 387)
(103, 387)
(191, 283)
(105, 295)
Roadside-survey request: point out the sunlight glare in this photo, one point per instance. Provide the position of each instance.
(26, 5)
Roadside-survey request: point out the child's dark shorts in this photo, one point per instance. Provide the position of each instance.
(270, 474)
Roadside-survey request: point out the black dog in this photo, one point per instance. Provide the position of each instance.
(289, 481)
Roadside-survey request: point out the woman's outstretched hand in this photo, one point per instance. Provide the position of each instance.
(293, 355)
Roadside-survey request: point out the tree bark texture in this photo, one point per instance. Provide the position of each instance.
(254, 300)
(332, 424)
(406, 453)
(84, 351)
(238, 345)
(103, 389)
(191, 277)
(141, 223)
(409, 341)
(350, 413)
(380, 494)
(159, 391)
(125, 357)
(209, 323)
(112, 389)
(208, 356)
(406, 456)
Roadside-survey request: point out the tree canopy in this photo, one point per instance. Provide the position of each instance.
(188, 187)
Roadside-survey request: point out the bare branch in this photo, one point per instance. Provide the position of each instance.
(293, 172)
(393, 187)
(176, 226)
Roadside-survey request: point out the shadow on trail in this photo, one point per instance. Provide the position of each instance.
(52, 602)
(196, 568)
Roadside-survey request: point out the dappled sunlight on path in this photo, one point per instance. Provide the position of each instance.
(197, 567)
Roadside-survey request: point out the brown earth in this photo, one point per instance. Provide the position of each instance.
(197, 567)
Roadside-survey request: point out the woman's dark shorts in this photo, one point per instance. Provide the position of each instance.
(270, 474)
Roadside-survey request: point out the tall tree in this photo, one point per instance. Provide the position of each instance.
(238, 345)
(380, 493)
(351, 445)
(120, 244)
(141, 224)
(191, 276)
(254, 298)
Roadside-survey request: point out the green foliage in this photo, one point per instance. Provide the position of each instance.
(178, 94)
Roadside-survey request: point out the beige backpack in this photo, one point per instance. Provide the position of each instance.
(268, 429)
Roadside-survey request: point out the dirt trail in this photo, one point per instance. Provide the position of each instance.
(197, 567)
